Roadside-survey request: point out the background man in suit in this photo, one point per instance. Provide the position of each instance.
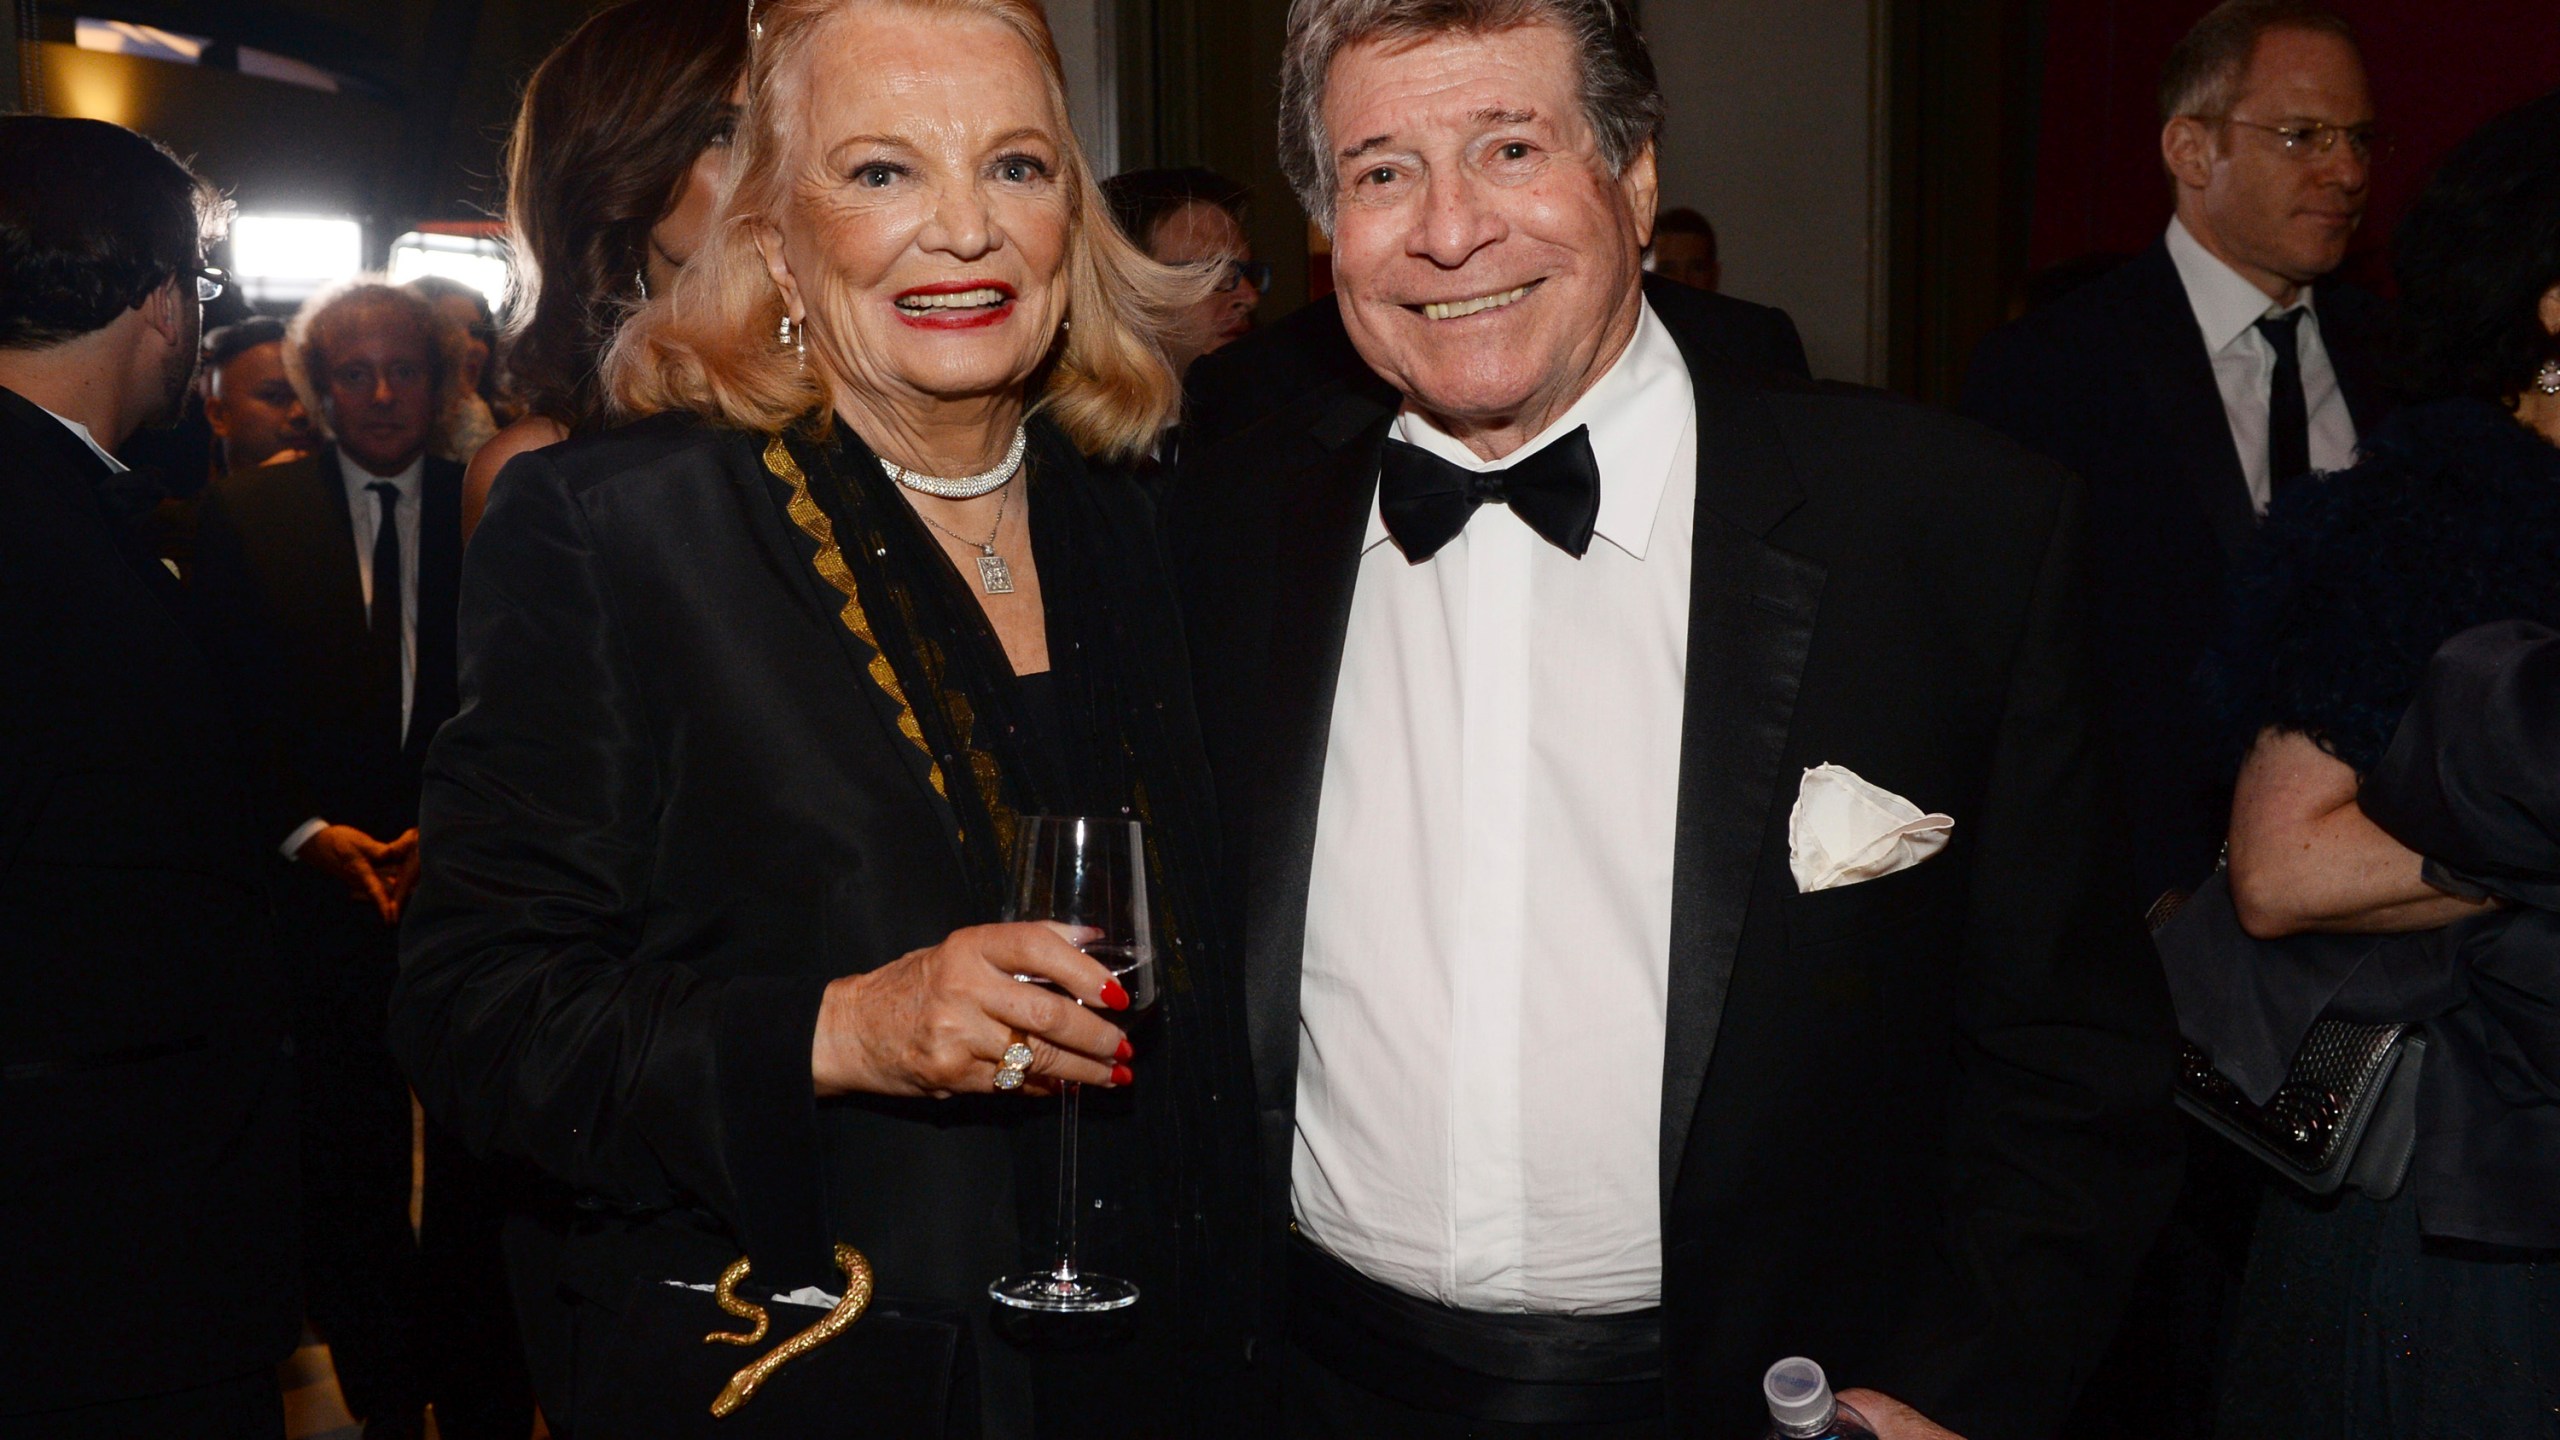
(2192, 383)
(339, 576)
(2188, 387)
(147, 1193)
(1578, 1106)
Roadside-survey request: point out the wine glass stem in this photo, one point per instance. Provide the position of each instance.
(1067, 1109)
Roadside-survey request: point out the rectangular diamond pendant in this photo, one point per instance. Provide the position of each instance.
(993, 574)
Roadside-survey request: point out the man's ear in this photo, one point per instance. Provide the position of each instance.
(2186, 151)
(163, 311)
(1641, 183)
(769, 245)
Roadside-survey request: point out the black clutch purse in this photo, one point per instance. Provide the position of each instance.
(2346, 1116)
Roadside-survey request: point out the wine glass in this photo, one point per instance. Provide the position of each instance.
(1089, 872)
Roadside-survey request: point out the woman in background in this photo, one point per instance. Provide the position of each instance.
(617, 159)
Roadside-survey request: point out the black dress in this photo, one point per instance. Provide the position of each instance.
(2436, 1313)
(733, 727)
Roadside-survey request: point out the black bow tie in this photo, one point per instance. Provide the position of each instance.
(1426, 501)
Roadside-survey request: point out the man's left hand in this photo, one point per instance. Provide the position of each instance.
(1893, 1419)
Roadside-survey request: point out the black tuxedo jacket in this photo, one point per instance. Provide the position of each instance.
(1918, 1127)
(147, 1193)
(276, 559)
(2114, 382)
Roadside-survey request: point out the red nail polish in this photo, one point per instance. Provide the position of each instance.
(1122, 1074)
(1114, 996)
(1124, 1052)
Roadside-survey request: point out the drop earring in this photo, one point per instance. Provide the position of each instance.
(640, 282)
(795, 338)
(2547, 379)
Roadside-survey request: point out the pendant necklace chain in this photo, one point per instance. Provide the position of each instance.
(992, 571)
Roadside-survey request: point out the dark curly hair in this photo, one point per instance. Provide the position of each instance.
(609, 129)
(2475, 257)
(93, 218)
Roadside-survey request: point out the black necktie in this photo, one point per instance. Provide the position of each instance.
(382, 643)
(2288, 415)
(1426, 501)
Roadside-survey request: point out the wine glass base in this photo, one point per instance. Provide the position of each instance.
(1083, 1294)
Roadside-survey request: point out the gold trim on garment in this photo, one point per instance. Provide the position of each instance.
(813, 522)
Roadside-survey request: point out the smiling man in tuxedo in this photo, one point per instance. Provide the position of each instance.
(1618, 1026)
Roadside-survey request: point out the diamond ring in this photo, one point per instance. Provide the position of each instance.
(1017, 1063)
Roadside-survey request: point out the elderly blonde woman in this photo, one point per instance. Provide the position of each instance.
(753, 689)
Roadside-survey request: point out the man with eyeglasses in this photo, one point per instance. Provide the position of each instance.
(2193, 384)
(146, 1092)
(2191, 387)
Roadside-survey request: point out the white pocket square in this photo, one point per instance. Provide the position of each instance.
(1844, 830)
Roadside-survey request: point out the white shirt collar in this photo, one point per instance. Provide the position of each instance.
(1637, 411)
(2226, 304)
(114, 465)
(359, 480)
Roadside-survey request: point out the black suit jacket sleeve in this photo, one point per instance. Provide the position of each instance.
(524, 1015)
(2059, 1141)
(222, 580)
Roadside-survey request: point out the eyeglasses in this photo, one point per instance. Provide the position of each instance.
(2304, 142)
(1240, 272)
(210, 283)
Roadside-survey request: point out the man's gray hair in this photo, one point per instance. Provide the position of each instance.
(1619, 92)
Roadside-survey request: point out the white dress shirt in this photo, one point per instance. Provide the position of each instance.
(114, 465)
(2228, 309)
(1489, 915)
(364, 518)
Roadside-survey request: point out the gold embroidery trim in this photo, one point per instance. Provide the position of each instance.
(742, 1386)
(813, 522)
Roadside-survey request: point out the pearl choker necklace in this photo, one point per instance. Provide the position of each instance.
(967, 487)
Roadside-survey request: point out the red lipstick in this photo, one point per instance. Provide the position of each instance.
(975, 317)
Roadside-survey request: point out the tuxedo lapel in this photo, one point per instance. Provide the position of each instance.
(1751, 617)
(1315, 567)
(2183, 398)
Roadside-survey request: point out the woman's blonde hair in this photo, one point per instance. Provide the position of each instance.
(710, 345)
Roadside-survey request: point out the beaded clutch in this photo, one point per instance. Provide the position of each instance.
(2346, 1116)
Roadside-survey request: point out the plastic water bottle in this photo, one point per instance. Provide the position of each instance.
(1801, 1407)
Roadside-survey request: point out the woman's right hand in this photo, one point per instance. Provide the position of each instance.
(937, 1021)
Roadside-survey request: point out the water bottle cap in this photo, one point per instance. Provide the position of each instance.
(1799, 1396)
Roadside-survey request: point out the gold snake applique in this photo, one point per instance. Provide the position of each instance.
(743, 1385)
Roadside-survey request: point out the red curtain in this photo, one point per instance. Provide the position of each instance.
(2439, 68)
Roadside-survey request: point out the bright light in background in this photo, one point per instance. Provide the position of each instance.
(149, 42)
(476, 261)
(288, 258)
(118, 37)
